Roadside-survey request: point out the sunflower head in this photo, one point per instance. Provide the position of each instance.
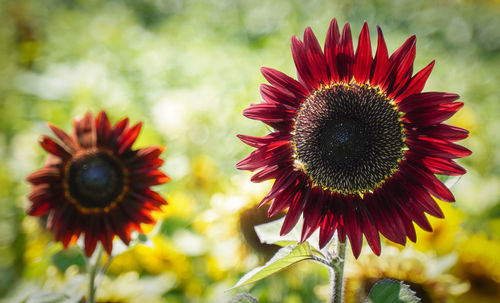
(355, 144)
(94, 183)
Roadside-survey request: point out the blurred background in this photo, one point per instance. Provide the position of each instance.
(187, 69)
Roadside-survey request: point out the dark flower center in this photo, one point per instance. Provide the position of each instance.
(95, 180)
(349, 138)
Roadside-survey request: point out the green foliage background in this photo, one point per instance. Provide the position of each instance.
(187, 69)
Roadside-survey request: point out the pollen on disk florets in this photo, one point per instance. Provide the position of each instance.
(348, 138)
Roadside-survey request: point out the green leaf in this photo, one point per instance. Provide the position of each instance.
(391, 291)
(244, 298)
(285, 257)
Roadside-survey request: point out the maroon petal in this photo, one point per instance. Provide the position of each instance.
(69, 144)
(271, 154)
(352, 224)
(327, 228)
(284, 82)
(85, 131)
(274, 95)
(296, 206)
(103, 126)
(433, 115)
(345, 56)
(269, 113)
(444, 131)
(381, 60)
(443, 166)
(370, 230)
(281, 183)
(401, 66)
(315, 57)
(91, 238)
(423, 100)
(44, 175)
(437, 148)
(128, 138)
(312, 213)
(263, 141)
(331, 50)
(363, 64)
(119, 128)
(429, 181)
(267, 173)
(416, 83)
(52, 147)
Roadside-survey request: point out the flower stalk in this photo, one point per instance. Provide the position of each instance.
(337, 273)
(93, 270)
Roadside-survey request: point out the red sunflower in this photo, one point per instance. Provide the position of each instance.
(355, 144)
(94, 183)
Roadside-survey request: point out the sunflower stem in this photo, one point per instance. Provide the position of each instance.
(94, 268)
(337, 271)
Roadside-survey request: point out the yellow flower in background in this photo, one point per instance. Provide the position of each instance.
(161, 257)
(422, 273)
(479, 263)
(446, 232)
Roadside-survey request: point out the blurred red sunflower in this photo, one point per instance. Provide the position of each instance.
(356, 143)
(94, 183)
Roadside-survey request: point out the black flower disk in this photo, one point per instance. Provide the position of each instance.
(94, 183)
(355, 144)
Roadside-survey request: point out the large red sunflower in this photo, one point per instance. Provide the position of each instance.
(355, 144)
(94, 183)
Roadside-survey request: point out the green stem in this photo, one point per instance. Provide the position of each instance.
(337, 272)
(94, 266)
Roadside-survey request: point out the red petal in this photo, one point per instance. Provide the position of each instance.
(296, 206)
(444, 131)
(271, 94)
(433, 115)
(363, 64)
(331, 50)
(381, 62)
(312, 213)
(284, 82)
(304, 72)
(345, 56)
(328, 226)
(129, 137)
(266, 113)
(262, 141)
(44, 175)
(317, 62)
(281, 183)
(417, 101)
(52, 147)
(69, 144)
(443, 166)
(428, 181)
(417, 82)
(271, 154)
(268, 172)
(85, 131)
(370, 230)
(119, 128)
(353, 225)
(401, 66)
(90, 238)
(103, 126)
(437, 148)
